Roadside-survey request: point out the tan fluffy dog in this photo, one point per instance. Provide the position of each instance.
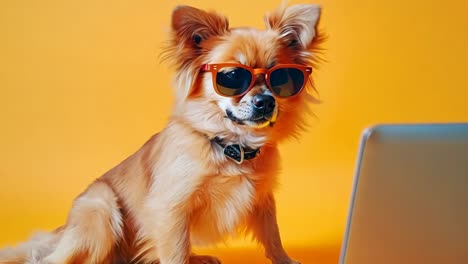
(211, 172)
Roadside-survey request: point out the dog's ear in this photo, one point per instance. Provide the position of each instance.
(297, 24)
(191, 30)
(193, 26)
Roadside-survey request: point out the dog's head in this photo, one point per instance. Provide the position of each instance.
(244, 83)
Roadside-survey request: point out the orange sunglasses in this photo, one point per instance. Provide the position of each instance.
(234, 79)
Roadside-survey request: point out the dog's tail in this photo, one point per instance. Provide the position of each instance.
(33, 251)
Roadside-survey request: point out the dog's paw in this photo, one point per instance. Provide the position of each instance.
(204, 259)
(290, 261)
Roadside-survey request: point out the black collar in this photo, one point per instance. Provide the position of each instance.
(236, 152)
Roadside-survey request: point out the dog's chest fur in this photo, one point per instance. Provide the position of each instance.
(220, 206)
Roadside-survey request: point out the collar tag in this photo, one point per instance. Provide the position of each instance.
(235, 152)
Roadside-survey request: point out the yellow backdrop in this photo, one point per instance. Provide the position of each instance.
(82, 88)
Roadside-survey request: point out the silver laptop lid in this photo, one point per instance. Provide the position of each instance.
(410, 197)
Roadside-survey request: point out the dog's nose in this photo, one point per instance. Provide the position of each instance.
(264, 103)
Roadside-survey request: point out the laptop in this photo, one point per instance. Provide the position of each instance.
(409, 202)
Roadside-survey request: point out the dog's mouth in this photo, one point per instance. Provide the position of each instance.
(255, 121)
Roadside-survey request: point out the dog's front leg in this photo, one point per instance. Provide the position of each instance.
(169, 234)
(172, 238)
(265, 229)
(166, 219)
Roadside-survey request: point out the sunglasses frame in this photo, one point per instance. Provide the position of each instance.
(215, 67)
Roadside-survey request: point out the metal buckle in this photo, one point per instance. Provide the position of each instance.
(235, 153)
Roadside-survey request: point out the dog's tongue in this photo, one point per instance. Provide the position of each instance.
(262, 125)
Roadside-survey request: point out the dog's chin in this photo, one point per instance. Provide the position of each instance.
(259, 122)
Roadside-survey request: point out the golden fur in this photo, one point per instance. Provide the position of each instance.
(179, 189)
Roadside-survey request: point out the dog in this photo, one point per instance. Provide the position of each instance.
(212, 170)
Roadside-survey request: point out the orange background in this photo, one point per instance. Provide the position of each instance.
(82, 88)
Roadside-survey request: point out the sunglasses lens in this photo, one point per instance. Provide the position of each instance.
(232, 81)
(286, 81)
